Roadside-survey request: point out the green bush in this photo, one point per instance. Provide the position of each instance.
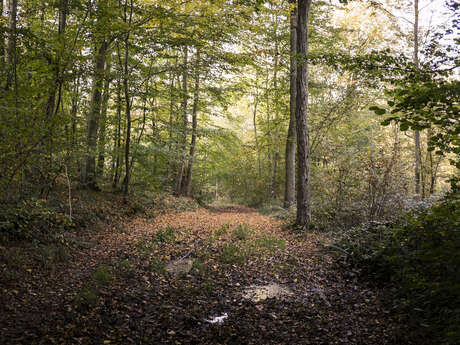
(32, 219)
(422, 259)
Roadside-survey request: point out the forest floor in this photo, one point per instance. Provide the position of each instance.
(165, 280)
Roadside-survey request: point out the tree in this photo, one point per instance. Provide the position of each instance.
(303, 145)
(289, 189)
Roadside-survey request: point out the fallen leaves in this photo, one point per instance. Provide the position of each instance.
(139, 301)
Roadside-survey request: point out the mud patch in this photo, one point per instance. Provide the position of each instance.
(257, 293)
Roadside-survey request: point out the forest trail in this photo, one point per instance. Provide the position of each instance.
(118, 288)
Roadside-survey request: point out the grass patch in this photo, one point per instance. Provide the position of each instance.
(200, 267)
(102, 276)
(241, 232)
(87, 297)
(222, 230)
(231, 254)
(269, 243)
(158, 266)
(165, 236)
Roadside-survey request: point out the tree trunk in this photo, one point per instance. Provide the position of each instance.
(117, 143)
(289, 190)
(89, 172)
(274, 185)
(303, 146)
(128, 121)
(2, 41)
(188, 183)
(254, 122)
(103, 125)
(169, 166)
(180, 170)
(11, 43)
(418, 154)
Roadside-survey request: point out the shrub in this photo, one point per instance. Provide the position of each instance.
(422, 259)
(32, 219)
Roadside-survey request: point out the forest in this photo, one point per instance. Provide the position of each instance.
(230, 172)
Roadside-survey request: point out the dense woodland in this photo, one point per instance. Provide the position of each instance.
(341, 118)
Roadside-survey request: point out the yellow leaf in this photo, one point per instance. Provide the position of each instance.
(15, 292)
(106, 341)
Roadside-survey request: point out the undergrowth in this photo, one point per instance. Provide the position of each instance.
(420, 259)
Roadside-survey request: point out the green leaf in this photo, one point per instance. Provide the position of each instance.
(404, 127)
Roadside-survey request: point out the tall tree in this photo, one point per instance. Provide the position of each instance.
(303, 216)
(196, 99)
(181, 167)
(103, 121)
(418, 152)
(11, 43)
(289, 189)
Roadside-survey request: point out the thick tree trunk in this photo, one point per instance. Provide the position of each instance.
(181, 167)
(303, 145)
(11, 43)
(289, 190)
(196, 95)
(418, 154)
(103, 124)
(89, 171)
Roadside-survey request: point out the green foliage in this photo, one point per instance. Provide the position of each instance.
(222, 230)
(232, 254)
(421, 258)
(241, 232)
(167, 235)
(86, 297)
(32, 219)
(102, 276)
(200, 267)
(157, 265)
(269, 243)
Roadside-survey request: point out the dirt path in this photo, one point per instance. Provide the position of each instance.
(123, 287)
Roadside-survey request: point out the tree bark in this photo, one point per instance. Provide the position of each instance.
(418, 154)
(2, 41)
(303, 146)
(117, 140)
(180, 170)
(103, 125)
(11, 43)
(89, 171)
(128, 121)
(196, 95)
(289, 190)
(254, 122)
(274, 185)
(169, 167)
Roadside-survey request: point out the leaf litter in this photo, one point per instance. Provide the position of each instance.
(260, 283)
